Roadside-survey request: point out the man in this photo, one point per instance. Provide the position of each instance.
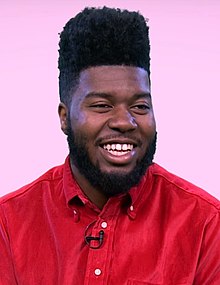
(109, 215)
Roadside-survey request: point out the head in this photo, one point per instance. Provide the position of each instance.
(106, 109)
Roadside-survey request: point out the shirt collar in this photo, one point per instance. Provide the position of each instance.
(71, 187)
(137, 194)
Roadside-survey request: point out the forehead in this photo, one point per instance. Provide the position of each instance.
(114, 78)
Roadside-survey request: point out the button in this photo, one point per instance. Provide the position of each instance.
(131, 208)
(98, 272)
(75, 212)
(104, 225)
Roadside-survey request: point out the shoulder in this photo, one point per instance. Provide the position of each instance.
(182, 189)
(44, 182)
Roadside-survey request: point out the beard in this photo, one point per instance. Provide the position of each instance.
(112, 183)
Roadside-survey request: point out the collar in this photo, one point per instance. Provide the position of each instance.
(140, 193)
(71, 187)
(137, 194)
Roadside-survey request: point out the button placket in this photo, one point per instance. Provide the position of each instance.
(98, 263)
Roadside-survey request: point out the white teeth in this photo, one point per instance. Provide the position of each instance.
(118, 153)
(108, 147)
(124, 147)
(118, 148)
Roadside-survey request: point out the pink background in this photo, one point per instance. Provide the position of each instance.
(185, 86)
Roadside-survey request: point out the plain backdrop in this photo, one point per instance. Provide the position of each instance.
(185, 66)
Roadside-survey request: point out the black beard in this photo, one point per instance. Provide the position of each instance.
(109, 183)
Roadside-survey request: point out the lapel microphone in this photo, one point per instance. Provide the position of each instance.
(99, 239)
(90, 240)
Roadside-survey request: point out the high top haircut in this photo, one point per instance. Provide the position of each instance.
(101, 36)
(97, 37)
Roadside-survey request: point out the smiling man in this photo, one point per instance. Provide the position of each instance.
(109, 215)
(111, 130)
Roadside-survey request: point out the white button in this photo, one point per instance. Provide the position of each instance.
(131, 208)
(104, 225)
(75, 212)
(98, 272)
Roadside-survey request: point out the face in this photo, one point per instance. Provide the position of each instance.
(111, 127)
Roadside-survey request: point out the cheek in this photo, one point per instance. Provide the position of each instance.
(152, 128)
(79, 120)
(148, 128)
(77, 117)
(86, 136)
(87, 128)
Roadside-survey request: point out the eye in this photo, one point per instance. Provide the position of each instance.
(101, 107)
(140, 108)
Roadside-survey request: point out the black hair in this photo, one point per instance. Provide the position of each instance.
(101, 36)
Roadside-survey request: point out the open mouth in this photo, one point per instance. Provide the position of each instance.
(118, 149)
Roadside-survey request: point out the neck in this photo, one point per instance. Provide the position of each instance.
(95, 196)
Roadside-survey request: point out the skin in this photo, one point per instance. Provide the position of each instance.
(112, 104)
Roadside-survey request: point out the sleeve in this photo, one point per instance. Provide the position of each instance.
(208, 269)
(7, 276)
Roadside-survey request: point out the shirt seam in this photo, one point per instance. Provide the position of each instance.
(29, 188)
(217, 207)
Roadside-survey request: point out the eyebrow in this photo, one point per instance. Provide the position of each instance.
(142, 95)
(103, 95)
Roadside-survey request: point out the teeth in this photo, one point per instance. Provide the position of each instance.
(118, 153)
(124, 147)
(118, 148)
(108, 147)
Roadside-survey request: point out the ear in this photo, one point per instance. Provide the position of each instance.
(63, 113)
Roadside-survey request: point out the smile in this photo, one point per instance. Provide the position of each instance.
(118, 149)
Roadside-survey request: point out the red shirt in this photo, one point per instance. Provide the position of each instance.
(165, 231)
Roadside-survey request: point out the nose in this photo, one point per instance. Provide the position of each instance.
(122, 120)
